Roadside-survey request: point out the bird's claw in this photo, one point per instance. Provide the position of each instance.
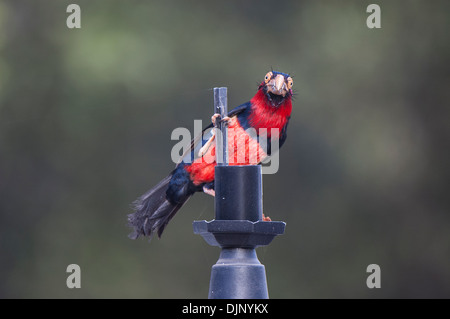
(266, 219)
(209, 191)
(226, 119)
(207, 145)
(214, 118)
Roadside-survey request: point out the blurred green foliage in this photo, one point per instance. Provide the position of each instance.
(86, 117)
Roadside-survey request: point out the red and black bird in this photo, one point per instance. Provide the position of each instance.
(269, 109)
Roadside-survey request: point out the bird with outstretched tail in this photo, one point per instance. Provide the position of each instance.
(269, 109)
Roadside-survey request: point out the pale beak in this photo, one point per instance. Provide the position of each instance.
(279, 81)
(277, 85)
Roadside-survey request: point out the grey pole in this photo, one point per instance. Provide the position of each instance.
(221, 107)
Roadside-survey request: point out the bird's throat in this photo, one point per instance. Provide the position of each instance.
(265, 115)
(275, 99)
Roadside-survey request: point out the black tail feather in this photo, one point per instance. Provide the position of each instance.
(152, 211)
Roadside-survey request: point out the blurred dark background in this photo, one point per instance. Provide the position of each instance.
(85, 122)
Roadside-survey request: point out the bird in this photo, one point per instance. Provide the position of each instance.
(268, 111)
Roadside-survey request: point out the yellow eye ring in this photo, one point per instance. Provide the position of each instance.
(268, 77)
(290, 83)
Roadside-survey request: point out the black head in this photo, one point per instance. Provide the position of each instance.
(277, 86)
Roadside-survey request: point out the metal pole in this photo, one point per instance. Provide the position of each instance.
(221, 107)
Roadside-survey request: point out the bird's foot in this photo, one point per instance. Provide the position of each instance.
(266, 219)
(214, 118)
(209, 191)
(202, 151)
(226, 119)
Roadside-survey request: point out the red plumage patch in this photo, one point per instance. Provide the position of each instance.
(265, 115)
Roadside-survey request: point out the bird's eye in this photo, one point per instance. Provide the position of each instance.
(268, 77)
(290, 83)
